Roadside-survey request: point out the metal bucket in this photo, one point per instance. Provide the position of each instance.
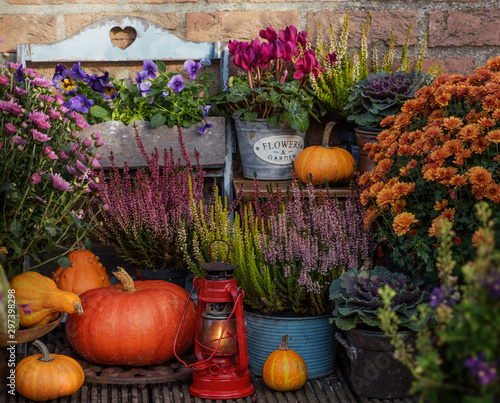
(375, 373)
(267, 151)
(311, 337)
(366, 135)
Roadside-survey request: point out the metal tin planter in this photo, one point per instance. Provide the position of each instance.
(267, 151)
(311, 337)
(375, 373)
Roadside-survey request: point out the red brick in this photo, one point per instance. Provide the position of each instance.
(75, 22)
(452, 65)
(239, 25)
(464, 28)
(382, 22)
(26, 28)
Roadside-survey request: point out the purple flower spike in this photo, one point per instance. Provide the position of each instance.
(176, 83)
(150, 68)
(192, 67)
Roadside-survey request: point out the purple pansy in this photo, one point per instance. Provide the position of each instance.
(176, 83)
(66, 82)
(205, 110)
(205, 63)
(204, 128)
(484, 372)
(192, 67)
(98, 83)
(143, 85)
(80, 73)
(79, 103)
(150, 68)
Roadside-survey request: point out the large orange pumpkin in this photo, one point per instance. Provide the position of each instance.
(133, 323)
(323, 163)
(45, 376)
(84, 273)
(284, 370)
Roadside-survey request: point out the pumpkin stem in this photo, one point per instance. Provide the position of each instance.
(326, 134)
(284, 343)
(125, 279)
(44, 350)
(78, 306)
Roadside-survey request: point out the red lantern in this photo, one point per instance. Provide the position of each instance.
(220, 336)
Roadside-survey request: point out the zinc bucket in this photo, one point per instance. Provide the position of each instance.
(311, 337)
(266, 151)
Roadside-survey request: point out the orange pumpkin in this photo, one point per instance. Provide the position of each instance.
(133, 323)
(284, 370)
(84, 273)
(323, 163)
(45, 376)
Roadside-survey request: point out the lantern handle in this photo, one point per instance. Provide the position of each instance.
(220, 240)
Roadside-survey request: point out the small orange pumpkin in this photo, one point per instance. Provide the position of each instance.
(284, 370)
(323, 163)
(45, 376)
(85, 272)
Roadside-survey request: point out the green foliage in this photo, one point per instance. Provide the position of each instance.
(273, 100)
(458, 360)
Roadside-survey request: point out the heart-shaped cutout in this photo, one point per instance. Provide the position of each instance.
(122, 38)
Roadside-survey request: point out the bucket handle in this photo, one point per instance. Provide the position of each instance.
(352, 353)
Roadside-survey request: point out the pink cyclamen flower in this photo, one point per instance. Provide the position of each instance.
(35, 178)
(10, 128)
(60, 184)
(41, 137)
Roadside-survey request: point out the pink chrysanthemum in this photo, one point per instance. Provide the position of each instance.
(38, 136)
(41, 82)
(40, 119)
(35, 178)
(60, 184)
(10, 128)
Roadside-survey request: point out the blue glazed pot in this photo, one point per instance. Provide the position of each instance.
(311, 337)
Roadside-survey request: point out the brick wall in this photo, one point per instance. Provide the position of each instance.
(463, 34)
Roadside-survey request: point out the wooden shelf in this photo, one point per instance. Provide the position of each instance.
(248, 187)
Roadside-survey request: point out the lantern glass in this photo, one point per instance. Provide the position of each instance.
(213, 319)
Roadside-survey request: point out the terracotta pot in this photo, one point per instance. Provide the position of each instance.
(365, 135)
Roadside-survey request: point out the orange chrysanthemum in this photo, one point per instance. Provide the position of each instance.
(370, 214)
(479, 145)
(440, 205)
(457, 180)
(444, 175)
(493, 136)
(385, 198)
(402, 222)
(478, 176)
(399, 206)
(494, 64)
(453, 147)
(481, 237)
(374, 189)
(461, 157)
(469, 132)
(478, 191)
(448, 215)
(492, 192)
(401, 189)
(364, 178)
(364, 197)
(452, 123)
(486, 122)
(496, 113)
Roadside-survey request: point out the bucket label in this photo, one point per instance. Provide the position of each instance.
(279, 150)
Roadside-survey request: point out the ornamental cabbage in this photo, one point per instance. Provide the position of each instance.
(383, 94)
(357, 299)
